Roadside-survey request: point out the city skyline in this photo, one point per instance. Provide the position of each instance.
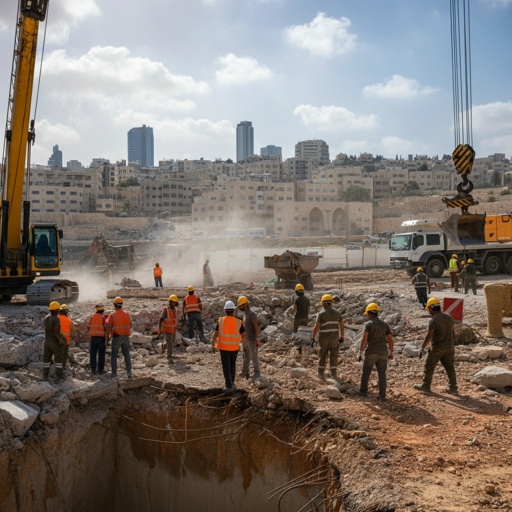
(365, 78)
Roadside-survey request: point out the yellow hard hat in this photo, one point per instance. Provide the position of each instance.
(455, 256)
(190, 288)
(100, 306)
(242, 301)
(432, 302)
(470, 260)
(372, 308)
(173, 298)
(54, 306)
(419, 269)
(326, 298)
(64, 307)
(463, 262)
(207, 260)
(118, 300)
(156, 263)
(299, 287)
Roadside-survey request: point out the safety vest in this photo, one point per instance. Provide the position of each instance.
(420, 280)
(169, 322)
(65, 327)
(228, 337)
(96, 325)
(192, 304)
(157, 272)
(454, 265)
(121, 323)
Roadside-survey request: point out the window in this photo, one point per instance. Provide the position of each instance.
(434, 239)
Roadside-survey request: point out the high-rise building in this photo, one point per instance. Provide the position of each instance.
(141, 146)
(56, 159)
(244, 140)
(314, 150)
(271, 150)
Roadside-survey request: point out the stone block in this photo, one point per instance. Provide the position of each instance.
(18, 416)
(493, 377)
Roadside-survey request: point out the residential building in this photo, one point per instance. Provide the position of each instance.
(141, 146)
(244, 140)
(271, 150)
(315, 150)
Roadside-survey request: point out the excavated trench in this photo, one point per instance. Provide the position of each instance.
(154, 452)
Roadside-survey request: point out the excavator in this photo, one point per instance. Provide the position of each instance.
(29, 252)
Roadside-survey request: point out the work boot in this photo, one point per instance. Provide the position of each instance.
(422, 387)
(451, 390)
(361, 393)
(321, 374)
(334, 374)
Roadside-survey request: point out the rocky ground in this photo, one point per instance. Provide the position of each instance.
(436, 452)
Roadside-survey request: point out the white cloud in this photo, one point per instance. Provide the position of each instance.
(332, 118)
(48, 132)
(498, 3)
(392, 145)
(323, 36)
(493, 117)
(398, 87)
(241, 70)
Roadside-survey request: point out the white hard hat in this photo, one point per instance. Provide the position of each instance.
(230, 305)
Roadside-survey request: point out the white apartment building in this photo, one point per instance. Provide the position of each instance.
(314, 150)
(172, 195)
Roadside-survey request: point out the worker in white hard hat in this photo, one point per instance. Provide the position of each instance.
(440, 334)
(377, 347)
(53, 343)
(421, 284)
(331, 329)
(207, 273)
(300, 307)
(97, 331)
(192, 308)
(119, 329)
(228, 336)
(252, 332)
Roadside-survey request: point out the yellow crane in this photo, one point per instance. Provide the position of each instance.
(28, 251)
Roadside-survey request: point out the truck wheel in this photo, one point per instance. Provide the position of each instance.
(492, 265)
(435, 268)
(509, 265)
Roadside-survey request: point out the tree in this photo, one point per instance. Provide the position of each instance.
(354, 194)
(411, 188)
(130, 182)
(496, 178)
(423, 167)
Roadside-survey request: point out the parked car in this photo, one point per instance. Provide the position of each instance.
(350, 246)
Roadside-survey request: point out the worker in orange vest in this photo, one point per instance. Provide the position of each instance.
(157, 274)
(228, 336)
(67, 329)
(168, 323)
(192, 308)
(97, 331)
(119, 329)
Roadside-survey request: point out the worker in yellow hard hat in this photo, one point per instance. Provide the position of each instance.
(68, 330)
(300, 307)
(440, 335)
(468, 276)
(168, 323)
(157, 274)
(252, 333)
(53, 343)
(331, 332)
(421, 284)
(207, 273)
(453, 269)
(97, 332)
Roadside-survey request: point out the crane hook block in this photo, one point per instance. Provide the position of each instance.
(463, 157)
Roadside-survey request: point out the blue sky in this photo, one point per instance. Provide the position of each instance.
(367, 75)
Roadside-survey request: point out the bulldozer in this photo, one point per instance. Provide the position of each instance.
(292, 268)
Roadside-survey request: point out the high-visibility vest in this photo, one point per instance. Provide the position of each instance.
(96, 325)
(229, 337)
(65, 327)
(157, 272)
(121, 323)
(192, 304)
(454, 265)
(420, 280)
(169, 322)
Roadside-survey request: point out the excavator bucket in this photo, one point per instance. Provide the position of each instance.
(467, 229)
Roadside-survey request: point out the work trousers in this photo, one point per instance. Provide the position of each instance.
(123, 343)
(228, 360)
(207, 280)
(52, 348)
(251, 354)
(195, 318)
(330, 347)
(454, 281)
(381, 362)
(170, 341)
(298, 322)
(470, 281)
(97, 354)
(421, 293)
(65, 350)
(447, 357)
(158, 282)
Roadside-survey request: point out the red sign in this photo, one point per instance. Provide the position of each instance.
(454, 308)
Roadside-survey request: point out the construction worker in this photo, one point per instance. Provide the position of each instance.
(252, 332)
(207, 273)
(119, 329)
(228, 335)
(157, 274)
(300, 307)
(462, 274)
(440, 334)
(329, 324)
(97, 332)
(53, 343)
(377, 340)
(192, 308)
(421, 284)
(453, 268)
(67, 329)
(468, 275)
(168, 323)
